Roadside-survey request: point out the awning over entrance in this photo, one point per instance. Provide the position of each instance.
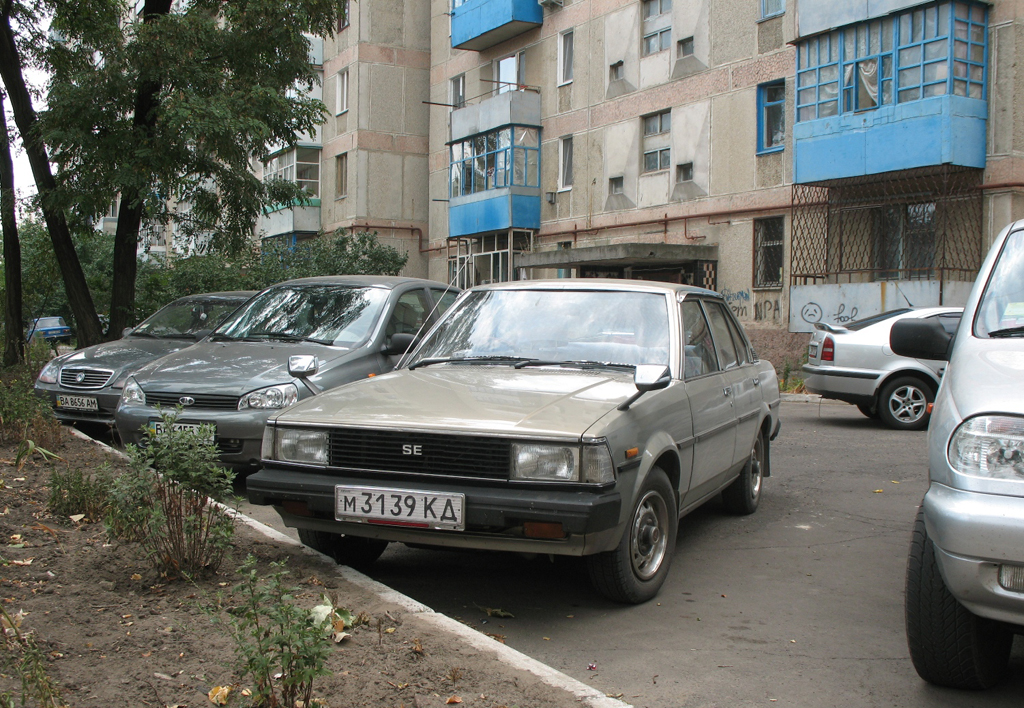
(619, 255)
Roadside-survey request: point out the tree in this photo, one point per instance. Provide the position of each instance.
(14, 351)
(169, 111)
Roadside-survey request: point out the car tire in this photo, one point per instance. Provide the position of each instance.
(635, 570)
(743, 495)
(866, 410)
(352, 551)
(903, 403)
(949, 645)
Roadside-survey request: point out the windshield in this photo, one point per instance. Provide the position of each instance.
(185, 317)
(555, 325)
(1001, 310)
(331, 314)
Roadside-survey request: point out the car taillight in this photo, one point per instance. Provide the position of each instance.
(828, 349)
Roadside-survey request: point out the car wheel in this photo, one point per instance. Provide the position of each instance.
(742, 496)
(903, 403)
(352, 551)
(635, 571)
(949, 645)
(866, 410)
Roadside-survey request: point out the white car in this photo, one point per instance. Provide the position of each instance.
(854, 363)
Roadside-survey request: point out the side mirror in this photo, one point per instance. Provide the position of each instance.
(303, 365)
(400, 344)
(920, 339)
(647, 377)
(202, 334)
(126, 331)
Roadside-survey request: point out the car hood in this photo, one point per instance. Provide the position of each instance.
(492, 399)
(231, 368)
(128, 353)
(987, 376)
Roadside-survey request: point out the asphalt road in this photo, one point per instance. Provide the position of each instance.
(800, 604)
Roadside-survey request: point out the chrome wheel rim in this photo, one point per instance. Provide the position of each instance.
(908, 404)
(756, 468)
(648, 539)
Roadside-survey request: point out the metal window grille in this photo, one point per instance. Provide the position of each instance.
(912, 224)
(768, 252)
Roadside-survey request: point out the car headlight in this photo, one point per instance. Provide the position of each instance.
(297, 445)
(989, 446)
(270, 397)
(132, 393)
(49, 373)
(548, 463)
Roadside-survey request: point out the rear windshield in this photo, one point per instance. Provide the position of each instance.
(50, 322)
(868, 321)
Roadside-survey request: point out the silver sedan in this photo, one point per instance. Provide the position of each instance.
(855, 364)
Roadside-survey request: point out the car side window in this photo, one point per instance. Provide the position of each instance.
(949, 321)
(742, 348)
(444, 300)
(698, 348)
(409, 313)
(727, 356)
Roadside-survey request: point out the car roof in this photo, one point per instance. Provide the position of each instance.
(370, 281)
(648, 286)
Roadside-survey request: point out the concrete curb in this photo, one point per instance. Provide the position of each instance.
(583, 693)
(800, 397)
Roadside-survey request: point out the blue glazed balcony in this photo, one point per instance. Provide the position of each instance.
(945, 130)
(481, 24)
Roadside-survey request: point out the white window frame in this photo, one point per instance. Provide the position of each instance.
(341, 176)
(341, 92)
(663, 37)
(767, 13)
(616, 185)
(566, 48)
(565, 144)
(459, 80)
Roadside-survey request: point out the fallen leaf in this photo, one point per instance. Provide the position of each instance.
(136, 576)
(498, 637)
(27, 561)
(496, 612)
(77, 517)
(453, 700)
(879, 491)
(16, 537)
(389, 630)
(218, 695)
(246, 692)
(165, 677)
(339, 637)
(547, 639)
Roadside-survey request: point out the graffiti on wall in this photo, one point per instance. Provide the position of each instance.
(843, 303)
(738, 301)
(767, 309)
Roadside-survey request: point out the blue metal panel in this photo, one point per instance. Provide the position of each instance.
(933, 131)
(501, 212)
(481, 24)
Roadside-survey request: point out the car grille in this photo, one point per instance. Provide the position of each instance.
(201, 400)
(90, 378)
(444, 455)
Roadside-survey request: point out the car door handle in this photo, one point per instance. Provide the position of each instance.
(727, 391)
(757, 381)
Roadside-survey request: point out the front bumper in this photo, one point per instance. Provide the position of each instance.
(856, 386)
(106, 398)
(239, 434)
(973, 535)
(494, 512)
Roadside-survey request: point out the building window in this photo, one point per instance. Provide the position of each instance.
(616, 71)
(565, 163)
(301, 165)
(771, 116)
(771, 8)
(499, 158)
(912, 55)
(341, 92)
(341, 176)
(458, 98)
(343, 21)
(653, 8)
(657, 137)
(509, 73)
(768, 237)
(684, 47)
(657, 41)
(615, 185)
(904, 241)
(684, 172)
(565, 50)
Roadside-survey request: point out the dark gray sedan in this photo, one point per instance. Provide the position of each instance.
(288, 343)
(86, 385)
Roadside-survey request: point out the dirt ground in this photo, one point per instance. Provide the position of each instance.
(117, 634)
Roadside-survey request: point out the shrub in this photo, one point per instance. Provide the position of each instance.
(22, 413)
(23, 657)
(163, 499)
(75, 492)
(280, 646)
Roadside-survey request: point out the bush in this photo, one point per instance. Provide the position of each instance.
(22, 413)
(163, 500)
(75, 492)
(281, 646)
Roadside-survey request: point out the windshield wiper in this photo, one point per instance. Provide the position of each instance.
(222, 338)
(467, 360)
(285, 336)
(136, 333)
(580, 363)
(1007, 332)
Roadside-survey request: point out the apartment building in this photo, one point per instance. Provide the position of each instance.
(812, 160)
